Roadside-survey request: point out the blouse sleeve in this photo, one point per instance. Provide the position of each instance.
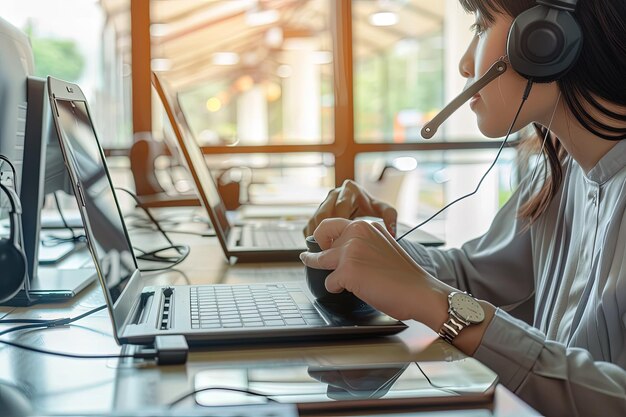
(552, 378)
(497, 267)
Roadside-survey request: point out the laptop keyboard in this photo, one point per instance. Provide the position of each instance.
(271, 236)
(239, 306)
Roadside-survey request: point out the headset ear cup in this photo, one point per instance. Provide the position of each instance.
(13, 267)
(544, 43)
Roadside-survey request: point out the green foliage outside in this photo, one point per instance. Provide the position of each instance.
(57, 57)
(406, 78)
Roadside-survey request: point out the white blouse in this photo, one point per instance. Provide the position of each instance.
(565, 274)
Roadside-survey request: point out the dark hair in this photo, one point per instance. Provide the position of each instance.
(598, 74)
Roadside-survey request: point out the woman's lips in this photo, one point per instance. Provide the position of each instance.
(474, 101)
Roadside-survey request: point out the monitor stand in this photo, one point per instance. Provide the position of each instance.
(53, 285)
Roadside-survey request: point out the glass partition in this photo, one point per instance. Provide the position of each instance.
(418, 184)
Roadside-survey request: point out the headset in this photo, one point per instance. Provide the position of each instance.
(12, 258)
(543, 44)
(545, 41)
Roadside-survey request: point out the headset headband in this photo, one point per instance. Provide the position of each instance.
(569, 5)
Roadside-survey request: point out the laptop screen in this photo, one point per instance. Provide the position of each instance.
(106, 232)
(192, 154)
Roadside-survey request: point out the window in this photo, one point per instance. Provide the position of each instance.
(339, 87)
(265, 79)
(67, 46)
(398, 68)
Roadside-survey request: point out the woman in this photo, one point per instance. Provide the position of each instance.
(555, 254)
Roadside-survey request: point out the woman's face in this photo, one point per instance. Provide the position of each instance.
(496, 104)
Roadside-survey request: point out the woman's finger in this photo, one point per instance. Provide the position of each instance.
(330, 230)
(328, 259)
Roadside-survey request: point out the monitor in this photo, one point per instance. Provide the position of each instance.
(17, 65)
(44, 173)
(26, 129)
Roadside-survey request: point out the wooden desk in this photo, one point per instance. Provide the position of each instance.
(64, 385)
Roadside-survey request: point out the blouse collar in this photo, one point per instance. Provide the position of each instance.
(609, 165)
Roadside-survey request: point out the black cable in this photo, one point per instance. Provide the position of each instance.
(13, 179)
(154, 255)
(145, 210)
(67, 355)
(8, 161)
(46, 323)
(180, 232)
(448, 390)
(141, 223)
(43, 324)
(63, 322)
(243, 391)
(529, 86)
(56, 240)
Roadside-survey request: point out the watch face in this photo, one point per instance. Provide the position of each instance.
(467, 308)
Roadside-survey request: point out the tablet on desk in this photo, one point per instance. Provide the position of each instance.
(350, 387)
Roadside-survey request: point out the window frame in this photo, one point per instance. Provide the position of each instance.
(345, 147)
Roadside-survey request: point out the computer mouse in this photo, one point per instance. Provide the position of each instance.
(13, 403)
(316, 281)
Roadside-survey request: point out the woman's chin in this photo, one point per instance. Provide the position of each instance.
(491, 127)
(490, 131)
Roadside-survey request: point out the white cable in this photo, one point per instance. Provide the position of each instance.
(543, 145)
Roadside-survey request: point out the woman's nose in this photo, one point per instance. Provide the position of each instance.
(464, 69)
(466, 64)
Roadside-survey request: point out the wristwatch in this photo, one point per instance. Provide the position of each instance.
(463, 310)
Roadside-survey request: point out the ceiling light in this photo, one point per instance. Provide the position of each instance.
(213, 104)
(274, 37)
(383, 19)
(225, 58)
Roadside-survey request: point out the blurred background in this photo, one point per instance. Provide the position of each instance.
(289, 97)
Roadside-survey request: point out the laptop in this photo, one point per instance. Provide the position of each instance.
(249, 240)
(205, 313)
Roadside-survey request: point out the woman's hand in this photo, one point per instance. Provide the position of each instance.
(368, 262)
(350, 201)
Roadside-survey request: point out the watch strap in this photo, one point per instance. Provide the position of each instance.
(452, 327)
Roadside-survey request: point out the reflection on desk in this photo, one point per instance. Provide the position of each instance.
(379, 386)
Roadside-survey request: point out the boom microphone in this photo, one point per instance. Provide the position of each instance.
(496, 70)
